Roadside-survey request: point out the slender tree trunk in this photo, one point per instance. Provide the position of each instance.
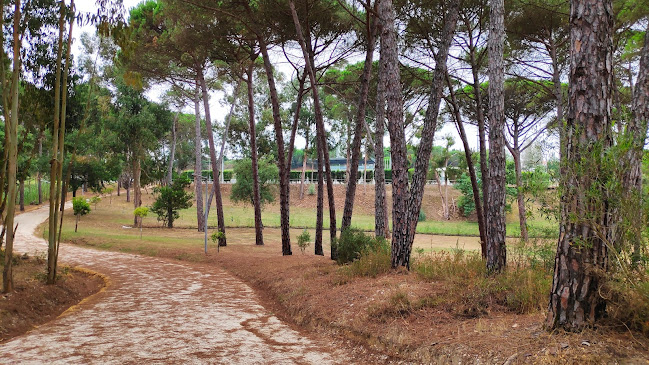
(198, 164)
(119, 186)
(281, 160)
(582, 248)
(128, 190)
(38, 174)
(320, 200)
(348, 166)
(428, 135)
(371, 29)
(137, 189)
(637, 130)
(216, 186)
(396, 128)
(484, 165)
(256, 199)
(303, 175)
(472, 173)
(11, 128)
(76, 223)
(172, 154)
(57, 157)
(495, 209)
(522, 214)
(441, 194)
(21, 194)
(320, 129)
(381, 223)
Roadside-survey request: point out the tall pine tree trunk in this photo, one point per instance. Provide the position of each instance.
(320, 199)
(381, 218)
(303, 174)
(472, 172)
(281, 160)
(256, 199)
(360, 122)
(198, 164)
(137, 189)
(582, 250)
(216, 186)
(396, 128)
(172, 154)
(495, 208)
(522, 213)
(320, 129)
(21, 194)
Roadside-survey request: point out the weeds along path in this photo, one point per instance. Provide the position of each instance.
(157, 311)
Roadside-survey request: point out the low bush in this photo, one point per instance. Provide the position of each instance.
(303, 240)
(627, 294)
(354, 243)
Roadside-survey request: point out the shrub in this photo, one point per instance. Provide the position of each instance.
(422, 216)
(303, 240)
(311, 190)
(220, 235)
(80, 207)
(354, 243)
(95, 200)
(170, 199)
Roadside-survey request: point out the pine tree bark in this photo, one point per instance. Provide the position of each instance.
(381, 218)
(428, 132)
(520, 198)
(495, 208)
(38, 174)
(198, 164)
(637, 130)
(320, 129)
(396, 128)
(256, 199)
(281, 160)
(303, 175)
(172, 154)
(320, 199)
(472, 173)
(216, 185)
(360, 122)
(582, 253)
(137, 189)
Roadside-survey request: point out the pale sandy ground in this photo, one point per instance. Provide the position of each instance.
(158, 311)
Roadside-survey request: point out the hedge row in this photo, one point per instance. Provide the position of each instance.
(312, 175)
(227, 174)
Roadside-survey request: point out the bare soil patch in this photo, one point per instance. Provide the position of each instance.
(34, 303)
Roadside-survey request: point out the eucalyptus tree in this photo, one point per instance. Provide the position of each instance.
(582, 248)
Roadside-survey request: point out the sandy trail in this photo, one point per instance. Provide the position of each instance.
(158, 311)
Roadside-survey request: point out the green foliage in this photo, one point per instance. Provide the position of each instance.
(422, 216)
(311, 190)
(95, 200)
(80, 206)
(353, 243)
(141, 212)
(242, 188)
(303, 240)
(171, 199)
(465, 203)
(216, 236)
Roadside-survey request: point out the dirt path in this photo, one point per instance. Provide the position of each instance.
(158, 311)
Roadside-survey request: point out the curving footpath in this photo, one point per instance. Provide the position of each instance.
(157, 311)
